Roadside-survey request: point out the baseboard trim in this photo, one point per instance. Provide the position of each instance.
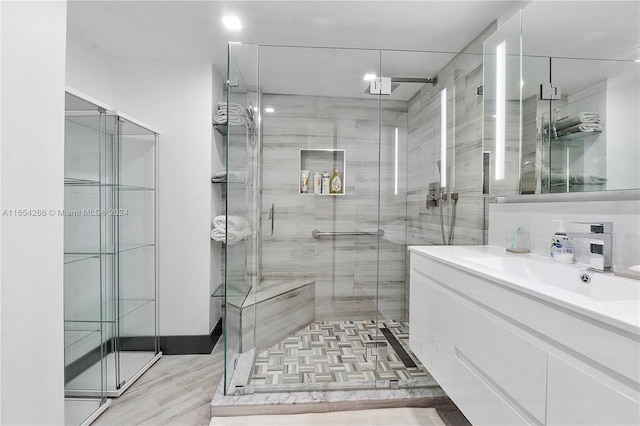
(186, 345)
(169, 345)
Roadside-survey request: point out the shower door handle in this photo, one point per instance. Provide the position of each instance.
(271, 220)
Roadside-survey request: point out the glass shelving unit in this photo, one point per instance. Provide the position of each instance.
(110, 260)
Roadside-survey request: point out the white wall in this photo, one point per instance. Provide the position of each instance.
(174, 98)
(537, 219)
(32, 158)
(623, 132)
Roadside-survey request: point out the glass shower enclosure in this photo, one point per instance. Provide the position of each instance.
(316, 295)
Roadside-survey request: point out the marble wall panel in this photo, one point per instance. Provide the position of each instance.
(345, 268)
(462, 75)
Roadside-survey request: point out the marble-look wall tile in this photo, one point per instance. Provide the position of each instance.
(537, 219)
(349, 271)
(462, 75)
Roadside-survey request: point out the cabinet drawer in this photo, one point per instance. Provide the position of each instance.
(575, 397)
(478, 402)
(419, 336)
(431, 321)
(511, 365)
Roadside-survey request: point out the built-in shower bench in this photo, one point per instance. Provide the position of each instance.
(264, 308)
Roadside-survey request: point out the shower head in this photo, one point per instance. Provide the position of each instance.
(395, 83)
(394, 86)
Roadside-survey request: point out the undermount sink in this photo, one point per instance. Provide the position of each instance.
(572, 278)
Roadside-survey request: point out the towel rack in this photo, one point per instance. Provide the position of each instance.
(317, 234)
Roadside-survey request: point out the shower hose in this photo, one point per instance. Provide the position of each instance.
(452, 221)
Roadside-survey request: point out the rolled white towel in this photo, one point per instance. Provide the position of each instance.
(235, 120)
(231, 222)
(231, 237)
(220, 176)
(581, 128)
(219, 119)
(218, 234)
(587, 179)
(589, 116)
(231, 176)
(232, 108)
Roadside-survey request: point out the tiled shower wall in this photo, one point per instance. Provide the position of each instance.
(461, 77)
(346, 269)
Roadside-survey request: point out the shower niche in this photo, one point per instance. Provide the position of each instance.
(320, 161)
(110, 254)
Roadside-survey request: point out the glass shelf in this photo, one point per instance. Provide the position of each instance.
(94, 183)
(220, 292)
(225, 129)
(577, 135)
(222, 128)
(126, 307)
(88, 255)
(68, 181)
(72, 257)
(75, 336)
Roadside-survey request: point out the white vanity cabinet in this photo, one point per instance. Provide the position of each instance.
(506, 357)
(433, 343)
(576, 397)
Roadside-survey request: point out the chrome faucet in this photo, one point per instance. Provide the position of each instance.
(600, 244)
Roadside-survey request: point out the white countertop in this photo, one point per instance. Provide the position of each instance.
(620, 312)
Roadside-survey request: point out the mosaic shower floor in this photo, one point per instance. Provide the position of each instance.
(335, 353)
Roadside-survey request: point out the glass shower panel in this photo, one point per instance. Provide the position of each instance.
(319, 260)
(414, 100)
(237, 118)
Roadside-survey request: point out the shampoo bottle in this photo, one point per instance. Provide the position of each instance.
(336, 182)
(561, 247)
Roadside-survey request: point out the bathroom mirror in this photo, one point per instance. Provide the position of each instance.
(561, 106)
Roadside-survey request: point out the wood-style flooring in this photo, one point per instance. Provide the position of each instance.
(177, 390)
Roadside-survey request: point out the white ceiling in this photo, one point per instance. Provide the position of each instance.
(193, 31)
(410, 32)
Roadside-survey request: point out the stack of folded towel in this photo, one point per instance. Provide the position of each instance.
(588, 121)
(560, 179)
(231, 114)
(229, 176)
(230, 229)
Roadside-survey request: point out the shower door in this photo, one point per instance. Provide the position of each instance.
(332, 262)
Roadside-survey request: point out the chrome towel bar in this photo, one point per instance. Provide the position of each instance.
(317, 234)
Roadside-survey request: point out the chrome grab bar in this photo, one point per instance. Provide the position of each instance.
(317, 234)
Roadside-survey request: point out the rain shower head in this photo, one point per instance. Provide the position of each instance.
(394, 86)
(395, 83)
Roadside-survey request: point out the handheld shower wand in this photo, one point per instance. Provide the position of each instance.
(452, 216)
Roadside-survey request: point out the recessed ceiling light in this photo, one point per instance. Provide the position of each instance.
(369, 77)
(232, 22)
(269, 109)
(637, 60)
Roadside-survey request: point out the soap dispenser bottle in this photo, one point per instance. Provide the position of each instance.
(561, 246)
(336, 184)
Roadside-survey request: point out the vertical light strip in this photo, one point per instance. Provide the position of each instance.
(396, 163)
(443, 138)
(501, 60)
